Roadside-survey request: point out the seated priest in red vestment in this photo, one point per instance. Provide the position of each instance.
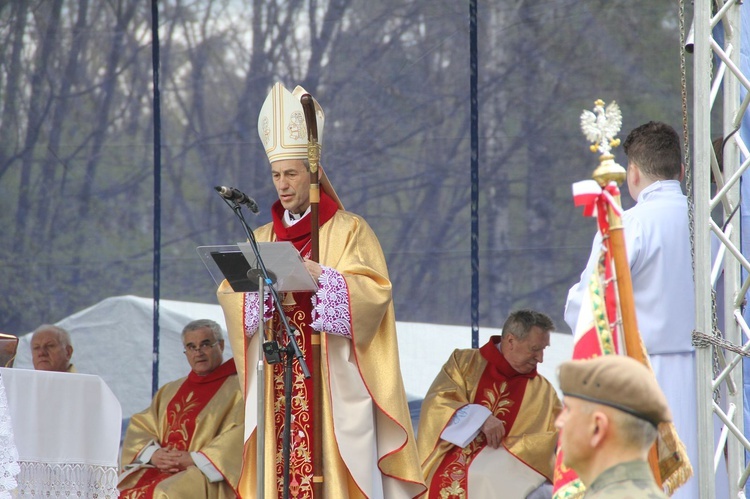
(487, 422)
(188, 443)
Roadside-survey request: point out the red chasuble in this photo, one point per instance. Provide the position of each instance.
(501, 389)
(298, 310)
(191, 398)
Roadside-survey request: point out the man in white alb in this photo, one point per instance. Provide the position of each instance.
(657, 239)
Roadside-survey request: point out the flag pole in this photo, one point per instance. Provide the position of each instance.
(606, 321)
(609, 171)
(313, 155)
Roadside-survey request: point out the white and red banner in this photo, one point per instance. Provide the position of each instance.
(597, 331)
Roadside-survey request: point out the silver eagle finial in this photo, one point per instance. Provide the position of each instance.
(601, 126)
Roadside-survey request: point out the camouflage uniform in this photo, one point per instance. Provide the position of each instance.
(631, 480)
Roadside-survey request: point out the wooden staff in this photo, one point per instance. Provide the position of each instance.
(313, 156)
(611, 171)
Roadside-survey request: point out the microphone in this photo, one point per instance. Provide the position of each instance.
(236, 195)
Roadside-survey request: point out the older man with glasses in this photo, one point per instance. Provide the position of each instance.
(188, 443)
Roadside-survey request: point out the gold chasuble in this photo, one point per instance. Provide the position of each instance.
(526, 403)
(368, 444)
(195, 414)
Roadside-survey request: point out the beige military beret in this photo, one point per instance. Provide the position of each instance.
(616, 381)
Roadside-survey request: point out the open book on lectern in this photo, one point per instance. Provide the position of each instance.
(238, 265)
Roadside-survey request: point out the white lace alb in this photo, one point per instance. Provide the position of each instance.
(251, 309)
(330, 312)
(44, 480)
(9, 467)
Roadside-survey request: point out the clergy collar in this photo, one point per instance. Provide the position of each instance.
(300, 231)
(292, 218)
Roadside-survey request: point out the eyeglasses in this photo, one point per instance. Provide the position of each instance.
(203, 347)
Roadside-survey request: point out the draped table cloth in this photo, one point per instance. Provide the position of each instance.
(66, 428)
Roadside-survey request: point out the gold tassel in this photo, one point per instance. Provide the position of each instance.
(674, 464)
(288, 300)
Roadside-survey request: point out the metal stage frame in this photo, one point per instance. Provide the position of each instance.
(718, 88)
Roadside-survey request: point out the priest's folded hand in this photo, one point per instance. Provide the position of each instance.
(166, 460)
(494, 431)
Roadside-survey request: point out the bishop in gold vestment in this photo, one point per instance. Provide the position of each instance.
(368, 443)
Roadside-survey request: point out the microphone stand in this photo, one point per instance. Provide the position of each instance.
(273, 351)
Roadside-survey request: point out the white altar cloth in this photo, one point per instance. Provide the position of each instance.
(67, 430)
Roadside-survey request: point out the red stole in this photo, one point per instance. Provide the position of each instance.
(189, 400)
(299, 233)
(298, 312)
(501, 389)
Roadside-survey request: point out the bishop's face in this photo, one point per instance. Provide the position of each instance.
(292, 181)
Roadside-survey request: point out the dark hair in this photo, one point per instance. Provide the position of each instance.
(655, 149)
(520, 322)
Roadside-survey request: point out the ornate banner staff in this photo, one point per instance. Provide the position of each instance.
(600, 128)
(313, 156)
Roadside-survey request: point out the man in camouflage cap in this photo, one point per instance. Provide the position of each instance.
(612, 406)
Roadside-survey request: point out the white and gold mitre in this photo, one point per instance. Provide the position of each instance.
(281, 124)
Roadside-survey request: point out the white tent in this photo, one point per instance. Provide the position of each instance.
(113, 339)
